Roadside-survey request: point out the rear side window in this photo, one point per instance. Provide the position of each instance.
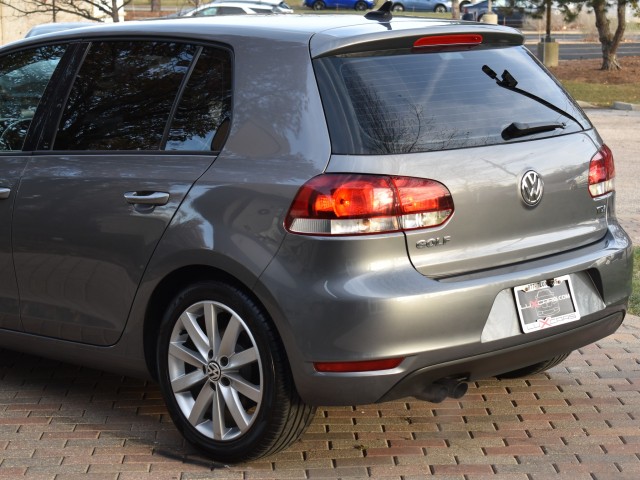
(386, 104)
(24, 76)
(123, 95)
(146, 95)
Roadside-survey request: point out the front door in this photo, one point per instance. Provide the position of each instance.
(24, 76)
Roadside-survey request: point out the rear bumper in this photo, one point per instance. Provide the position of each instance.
(512, 358)
(344, 301)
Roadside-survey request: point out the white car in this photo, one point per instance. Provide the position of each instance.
(238, 7)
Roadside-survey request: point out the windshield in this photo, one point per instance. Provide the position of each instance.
(384, 104)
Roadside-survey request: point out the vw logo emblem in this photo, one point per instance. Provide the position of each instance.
(213, 371)
(531, 188)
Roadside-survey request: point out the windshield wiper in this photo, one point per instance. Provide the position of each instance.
(517, 129)
(509, 82)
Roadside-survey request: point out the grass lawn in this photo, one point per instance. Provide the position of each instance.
(603, 94)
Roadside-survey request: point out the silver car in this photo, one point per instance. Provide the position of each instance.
(439, 6)
(266, 214)
(237, 7)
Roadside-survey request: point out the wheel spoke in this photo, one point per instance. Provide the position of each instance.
(243, 358)
(187, 382)
(179, 351)
(211, 324)
(196, 416)
(246, 388)
(235, 407)
(197, 336)
(228, 342)
(217, 415)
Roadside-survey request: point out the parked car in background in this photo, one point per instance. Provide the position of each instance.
(359, 5)
(439, 6)
(266, 214)
(57, 27)
(511, 14)
(236, 7)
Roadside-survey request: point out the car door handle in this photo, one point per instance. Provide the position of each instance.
(4, 193)
(147, 198)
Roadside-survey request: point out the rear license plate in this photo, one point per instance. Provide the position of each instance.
(546, 304)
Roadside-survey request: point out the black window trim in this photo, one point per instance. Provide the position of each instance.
(66, 75)
(178, 98)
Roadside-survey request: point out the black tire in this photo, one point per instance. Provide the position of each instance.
(319, 5)
(245, 376)
(398, 7)
(360, 6)
(440, 8)
(536, 367)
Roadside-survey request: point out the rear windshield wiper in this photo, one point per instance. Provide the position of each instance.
(509, 82)
(517, 129)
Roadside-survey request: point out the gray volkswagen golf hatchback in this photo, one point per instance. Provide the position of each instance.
(269, 214)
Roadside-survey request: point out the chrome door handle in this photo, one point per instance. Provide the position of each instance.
(147, 198)
(4, 193)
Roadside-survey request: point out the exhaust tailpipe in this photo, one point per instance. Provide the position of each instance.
(442, 389)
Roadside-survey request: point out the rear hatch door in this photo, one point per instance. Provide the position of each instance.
(484, 119)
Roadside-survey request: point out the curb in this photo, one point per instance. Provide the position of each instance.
(625, 106)
(615, 106)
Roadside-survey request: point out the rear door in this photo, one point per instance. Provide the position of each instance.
(486, 121)
(135, 132)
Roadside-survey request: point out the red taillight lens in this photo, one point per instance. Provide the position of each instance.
(602, 170)
(352, 204)
(455, 40)
(423, 202)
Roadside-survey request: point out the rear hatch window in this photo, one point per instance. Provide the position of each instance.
(383, 103)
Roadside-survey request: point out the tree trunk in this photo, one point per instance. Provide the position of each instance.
(156, 5)
(610, 41)
(115, 13)
(455, 9)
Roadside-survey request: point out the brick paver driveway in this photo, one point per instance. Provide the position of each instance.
(581, 420)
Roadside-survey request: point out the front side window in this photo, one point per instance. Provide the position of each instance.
(123, 95)
(24, 77)
(207, 12)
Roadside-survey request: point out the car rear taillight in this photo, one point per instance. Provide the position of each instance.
(354, 204)
(601, 173)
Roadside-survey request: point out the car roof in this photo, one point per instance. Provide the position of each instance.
(326, 33)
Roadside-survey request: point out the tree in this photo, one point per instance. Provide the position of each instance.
(96, 10)
(455, 9)
(609, 39)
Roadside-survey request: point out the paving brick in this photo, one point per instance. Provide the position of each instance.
(394, 451)
(462, 469)
(338, 472)
(578, 421)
